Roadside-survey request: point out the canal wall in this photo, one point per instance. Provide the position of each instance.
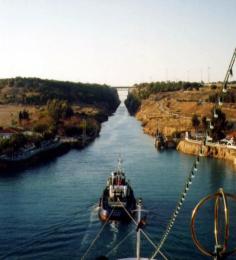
(209, 150)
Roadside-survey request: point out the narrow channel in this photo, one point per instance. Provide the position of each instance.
(50, 211)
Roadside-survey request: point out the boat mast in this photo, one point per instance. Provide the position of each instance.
(138, 243)
(119, 166)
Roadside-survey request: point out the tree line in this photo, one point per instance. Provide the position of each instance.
(35, 91)
(144, 90)
(228, 97)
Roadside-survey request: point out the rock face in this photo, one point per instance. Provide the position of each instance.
(215, 151)
(170, 114)
(155, 117)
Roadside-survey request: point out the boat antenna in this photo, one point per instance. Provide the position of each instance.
(119, 166)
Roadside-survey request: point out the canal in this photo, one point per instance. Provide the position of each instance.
(50, 211)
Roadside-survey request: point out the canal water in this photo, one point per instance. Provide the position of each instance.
(50, 211)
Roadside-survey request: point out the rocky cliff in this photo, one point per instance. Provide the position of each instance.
(156, 117)
(215, 151)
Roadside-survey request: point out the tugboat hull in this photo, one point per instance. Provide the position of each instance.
(116, 214)
(114, 209)
(117, 200)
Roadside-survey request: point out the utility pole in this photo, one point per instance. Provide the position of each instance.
(201, 75)
(208, 74)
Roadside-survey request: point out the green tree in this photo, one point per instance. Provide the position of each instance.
(220, 124)
(195, 122)
(23, 115)
(17, 141)
(40, 128)
(59, 109)
(204, 123)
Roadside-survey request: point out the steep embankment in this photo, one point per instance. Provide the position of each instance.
(168, 108)
(210, 150)
(156, 118)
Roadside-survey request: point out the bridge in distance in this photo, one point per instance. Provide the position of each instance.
(123, 88)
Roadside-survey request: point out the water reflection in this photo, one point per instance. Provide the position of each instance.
(61, 197)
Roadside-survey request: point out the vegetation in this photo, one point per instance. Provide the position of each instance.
(221, 125)
(59, 109)
(23, 115)
(132, 103)
(50, 111)
(13, 144)
(195, 122)
(228, 97)
(145, 90)
(89, 126)
(204, 123)
(46, 131)
(35, 91)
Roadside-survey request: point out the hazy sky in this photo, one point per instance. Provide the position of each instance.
(117, 42)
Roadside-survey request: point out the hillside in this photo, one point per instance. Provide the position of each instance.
(35, 91)
(169, 107)
(33, 110)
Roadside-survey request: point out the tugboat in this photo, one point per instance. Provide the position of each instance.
(117, 198)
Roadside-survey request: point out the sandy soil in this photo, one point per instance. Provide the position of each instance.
(172, 111)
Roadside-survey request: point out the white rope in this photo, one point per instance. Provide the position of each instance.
(147, 237)
(178, 207)
(127, 212)
(152, 243)
(97, 236)
(109, 253)
(189, 180)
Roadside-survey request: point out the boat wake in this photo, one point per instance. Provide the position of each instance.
(92, 225)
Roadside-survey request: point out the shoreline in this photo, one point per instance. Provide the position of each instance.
(43, 155)
(47, 154)
(189, 146)
(209, 150)
(167, 116)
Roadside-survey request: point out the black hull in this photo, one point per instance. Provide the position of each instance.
(116, 213)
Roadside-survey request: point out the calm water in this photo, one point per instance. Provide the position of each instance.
(50, 211)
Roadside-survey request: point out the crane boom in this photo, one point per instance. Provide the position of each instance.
(229, 71)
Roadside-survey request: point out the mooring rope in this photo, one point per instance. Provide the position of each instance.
(115, 247)
(194, 167)
(142, 231)
(96, 237)
(178, 206)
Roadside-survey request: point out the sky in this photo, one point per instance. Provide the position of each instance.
(117, 42)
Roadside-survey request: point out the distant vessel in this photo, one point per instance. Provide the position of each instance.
(160, 142)
(117, 198)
